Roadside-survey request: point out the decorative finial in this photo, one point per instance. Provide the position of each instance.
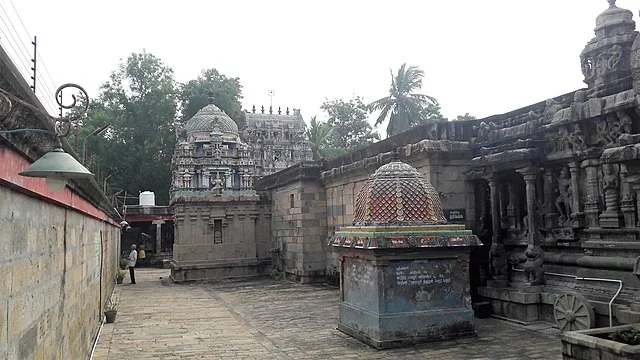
(612, 3)
(279, 111)
(254, 109)
(270, 109)
(287, 110)
(262, 109)
(210, 97)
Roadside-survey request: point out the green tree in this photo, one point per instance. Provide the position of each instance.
(464, 117)
(348, 121)
(139, 101)
(403, 107)
(318, 135)
(226, 91)
(431, 113)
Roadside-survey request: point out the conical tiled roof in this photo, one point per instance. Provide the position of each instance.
(397, 194)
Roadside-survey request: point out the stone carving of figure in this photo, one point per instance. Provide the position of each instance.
(602, 128)
(498, 262)
(483, 131)
(562, 143)
(533, 272)
(217, 184)
(564, 194)
(622, 126)
(610, 179)
(552, 106)
(577, 138)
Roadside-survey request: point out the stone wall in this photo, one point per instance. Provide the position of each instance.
(299, 223)
(58, 250)
(58, 271)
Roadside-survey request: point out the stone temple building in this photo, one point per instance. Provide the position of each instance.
(278, 140)
(210, 155)
(552, 190)
(214, 202)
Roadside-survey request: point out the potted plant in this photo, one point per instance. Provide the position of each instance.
(110, 311)
(120, 276)
(123, 263)
(616, 342)
(276, 274)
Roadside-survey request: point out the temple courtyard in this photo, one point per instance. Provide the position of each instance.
(268, 319)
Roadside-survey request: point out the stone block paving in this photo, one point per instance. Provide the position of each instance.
(267, 319)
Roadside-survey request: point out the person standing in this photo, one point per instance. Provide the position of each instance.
(133, 257)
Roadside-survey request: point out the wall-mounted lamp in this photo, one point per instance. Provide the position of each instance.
(56, 166)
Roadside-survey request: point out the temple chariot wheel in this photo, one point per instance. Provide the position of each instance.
(573, 311)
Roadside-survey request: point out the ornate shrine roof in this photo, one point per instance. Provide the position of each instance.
(396, 194)
(209, 119)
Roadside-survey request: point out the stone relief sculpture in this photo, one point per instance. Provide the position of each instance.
(610, 186)
(576, 138)
(533, 271)
(498, 262)
(552, 106)
(564, 199)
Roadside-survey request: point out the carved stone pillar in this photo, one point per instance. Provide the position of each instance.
(592, 203)
(611, 217)
(636, 188)
(498, 259)
(627, 205)
(511, 207)
(530, 175)
(495, 210)
(550, 216)
(503, 200)
(533, 271)
(577, 216)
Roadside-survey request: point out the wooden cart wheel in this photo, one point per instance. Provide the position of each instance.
(573, 312)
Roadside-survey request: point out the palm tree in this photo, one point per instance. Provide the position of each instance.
(318, 135)
(402, 106)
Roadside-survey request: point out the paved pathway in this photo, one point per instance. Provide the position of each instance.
(266, 319)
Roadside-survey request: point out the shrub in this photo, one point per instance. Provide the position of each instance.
(629, 336)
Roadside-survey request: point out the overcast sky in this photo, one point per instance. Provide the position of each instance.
(481, 57)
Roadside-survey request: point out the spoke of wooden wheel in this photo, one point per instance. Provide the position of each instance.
(580, 307)
(562, 323)
(573, 303)
(579, 320)
(561, 316)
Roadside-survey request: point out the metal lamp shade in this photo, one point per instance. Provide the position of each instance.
(57, 164)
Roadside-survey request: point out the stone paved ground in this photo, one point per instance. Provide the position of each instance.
(266, 319)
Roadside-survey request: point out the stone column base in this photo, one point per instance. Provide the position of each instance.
(610, 220)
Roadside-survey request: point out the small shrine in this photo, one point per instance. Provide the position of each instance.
(404, 269)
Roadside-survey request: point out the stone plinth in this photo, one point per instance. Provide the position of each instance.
(405, 285)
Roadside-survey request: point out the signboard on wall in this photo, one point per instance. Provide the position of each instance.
(457, 216)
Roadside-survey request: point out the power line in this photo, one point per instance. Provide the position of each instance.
(46, 70)
(39, 79)
(14, 29)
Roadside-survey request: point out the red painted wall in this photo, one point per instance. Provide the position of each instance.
(11, 163)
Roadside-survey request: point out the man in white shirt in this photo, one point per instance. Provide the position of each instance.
(133, 257)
